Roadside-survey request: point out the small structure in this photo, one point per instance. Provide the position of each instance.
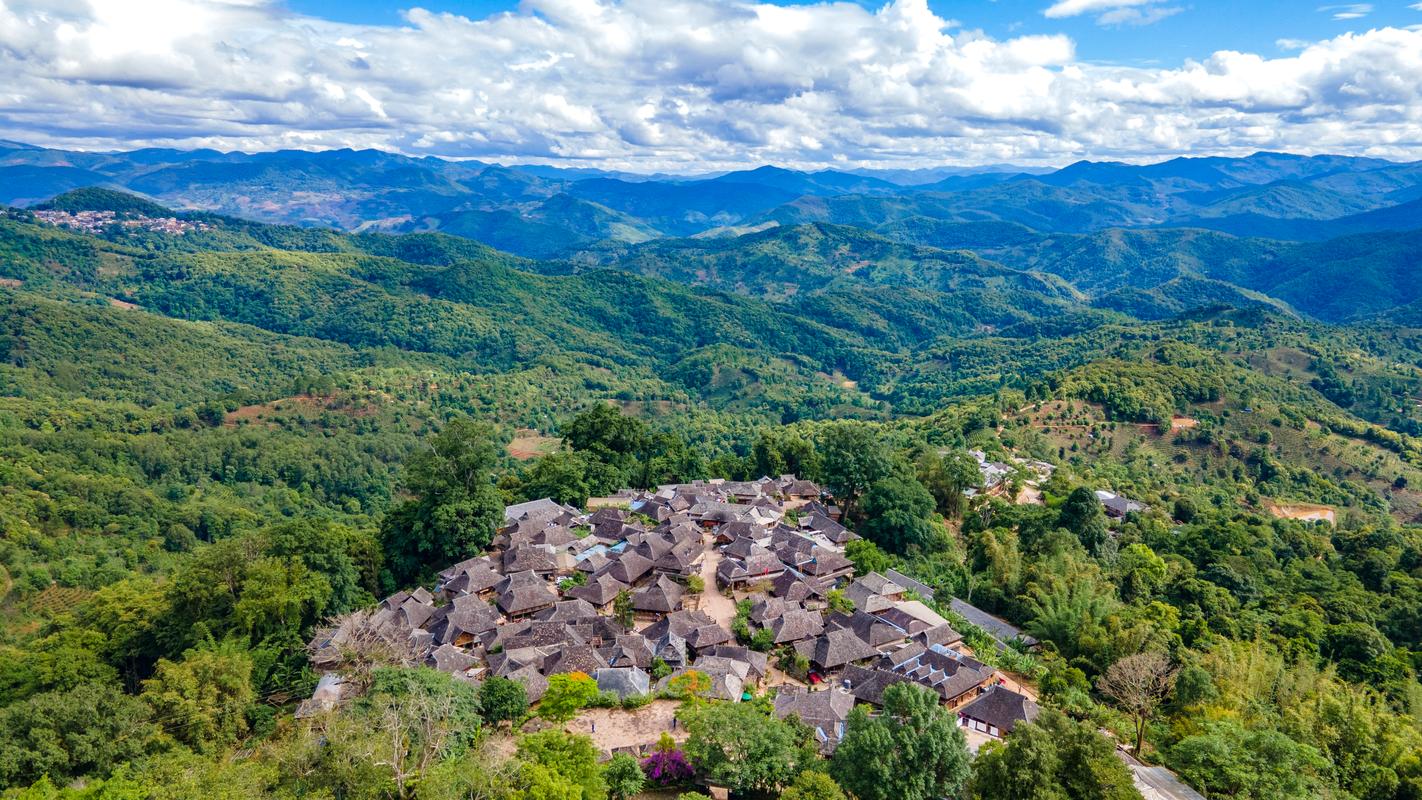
(823, 711)
(1117, 506)
(997, 711)
(624, 682)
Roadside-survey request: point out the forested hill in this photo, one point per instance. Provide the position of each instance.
(217, 433)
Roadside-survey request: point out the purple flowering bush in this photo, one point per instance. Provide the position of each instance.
(667, 765)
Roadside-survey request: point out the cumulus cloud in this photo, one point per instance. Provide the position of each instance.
(676, 84)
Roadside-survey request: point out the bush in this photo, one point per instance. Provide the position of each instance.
(605, 700)
(633, 702)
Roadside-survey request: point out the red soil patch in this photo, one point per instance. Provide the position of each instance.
(1304, 511)
(528, 443)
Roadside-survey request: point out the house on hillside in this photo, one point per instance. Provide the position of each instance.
(1117, 506)
(997, 711)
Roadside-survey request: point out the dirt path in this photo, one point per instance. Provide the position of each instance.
(611, 728)
(713, 602)
(1029, 496)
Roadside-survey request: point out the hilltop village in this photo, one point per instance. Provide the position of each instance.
(744, 583)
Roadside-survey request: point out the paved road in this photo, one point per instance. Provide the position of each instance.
(1158, 783)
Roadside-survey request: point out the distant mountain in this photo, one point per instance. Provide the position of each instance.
(512, 206)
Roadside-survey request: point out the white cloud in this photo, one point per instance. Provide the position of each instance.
(677, 84)
(1348, 11)
(1073, 8)
(1114, 13)
(1138, 16)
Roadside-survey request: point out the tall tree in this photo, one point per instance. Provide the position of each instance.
(914, 750)
(456, 509)
(896, 512)
(203, 699)
(947, 477)
(561, 476)
(502, 700)
(1138, 684)
(739, 746)
(1082, 515)
(624, 777)
(1052, 758)
(573, 757)
(852, 458)
(568, 693)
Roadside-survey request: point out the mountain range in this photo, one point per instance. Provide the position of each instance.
(545, 212)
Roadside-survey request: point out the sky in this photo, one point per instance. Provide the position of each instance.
(687, 85)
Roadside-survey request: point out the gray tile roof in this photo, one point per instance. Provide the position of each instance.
(823, 711)
(661, 596)
(796, 624)
(1000, 629)
(624, 681)
(1002, 708)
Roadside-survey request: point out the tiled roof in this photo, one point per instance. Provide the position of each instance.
(1002, 708)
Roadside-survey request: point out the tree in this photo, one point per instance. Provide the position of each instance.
(867, 557)
(87, 730)
(947, 477)
(502, 700)
(813, 785)
(560, 476)
(914, 750)
(896, 512)
(785, 451)
(1023, 768)
(738, 746)
(387, 740)
(1138, 684)
(1142, 572)
(1052, 758)
(1082, 515)
(572, 757)
(852, 459)
(618, 448)
(624, 777)
(456, 509)
(567, 694)
(622, 610)
(347, 559)
(667, 765)
(1228, 760)
(839, 601)
(203, 699)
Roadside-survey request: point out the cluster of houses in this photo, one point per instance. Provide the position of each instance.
(98, 221)
(555, 590)
(996, 476)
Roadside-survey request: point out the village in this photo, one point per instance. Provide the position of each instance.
(97, 222)
(682, 564)
(740, 589)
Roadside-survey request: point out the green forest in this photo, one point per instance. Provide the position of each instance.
(216, 442)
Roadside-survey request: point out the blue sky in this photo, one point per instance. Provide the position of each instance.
(1198, 28)
(701, 85)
